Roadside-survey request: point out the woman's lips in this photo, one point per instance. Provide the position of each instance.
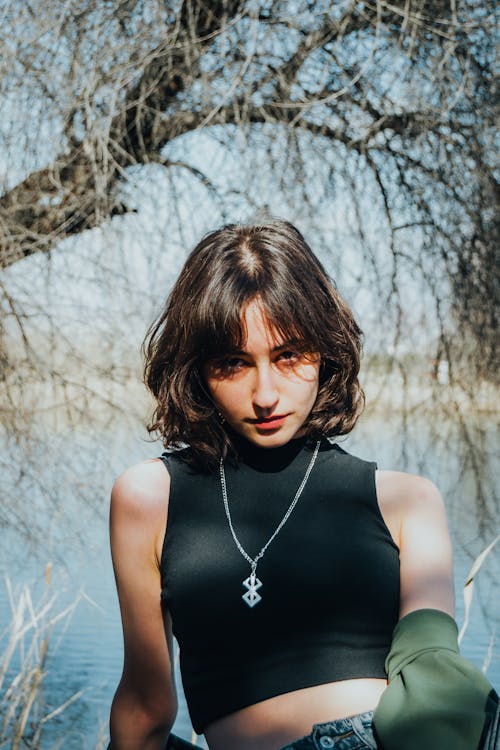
(269, 423)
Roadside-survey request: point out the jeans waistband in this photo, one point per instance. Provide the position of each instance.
(349, 733)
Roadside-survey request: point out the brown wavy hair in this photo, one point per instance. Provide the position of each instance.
(202, 320)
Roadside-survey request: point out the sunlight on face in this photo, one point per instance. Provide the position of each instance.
(265, 391)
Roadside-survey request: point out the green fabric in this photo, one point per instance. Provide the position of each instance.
(436, 699)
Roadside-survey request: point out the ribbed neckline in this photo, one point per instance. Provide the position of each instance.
(269, 459)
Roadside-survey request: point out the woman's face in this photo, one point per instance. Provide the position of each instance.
(266, 391)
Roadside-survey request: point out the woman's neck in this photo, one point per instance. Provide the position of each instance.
(267, 459)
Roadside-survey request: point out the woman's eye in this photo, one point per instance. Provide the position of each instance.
(230, 364)
(234, 362)
(288, 356)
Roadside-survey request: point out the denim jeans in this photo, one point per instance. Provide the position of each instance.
(352, 733)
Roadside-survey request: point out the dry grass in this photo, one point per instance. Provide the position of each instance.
(23, 668)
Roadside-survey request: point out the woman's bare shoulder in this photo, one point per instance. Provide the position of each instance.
(142, 490)
(402, 495)
(407, 491)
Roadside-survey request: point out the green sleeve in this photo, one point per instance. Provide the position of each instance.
(435, 699)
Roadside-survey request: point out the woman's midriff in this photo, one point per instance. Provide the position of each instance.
(278, 721)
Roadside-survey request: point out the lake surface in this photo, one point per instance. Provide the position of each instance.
(59, 501)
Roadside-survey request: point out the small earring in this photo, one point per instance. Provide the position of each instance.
(222, 418)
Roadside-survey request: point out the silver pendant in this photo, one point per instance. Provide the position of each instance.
(251, 597)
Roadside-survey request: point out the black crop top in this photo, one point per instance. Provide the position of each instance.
(330, 579)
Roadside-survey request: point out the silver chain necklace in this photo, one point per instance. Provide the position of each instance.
(252, 583)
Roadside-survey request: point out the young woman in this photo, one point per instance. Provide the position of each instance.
(281, 563)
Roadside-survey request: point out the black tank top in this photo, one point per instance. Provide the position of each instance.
(330, 579)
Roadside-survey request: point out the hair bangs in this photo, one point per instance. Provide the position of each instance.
(225, 330)
(220, 326)
(285, 322)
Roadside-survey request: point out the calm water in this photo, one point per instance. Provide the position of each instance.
(69, 525)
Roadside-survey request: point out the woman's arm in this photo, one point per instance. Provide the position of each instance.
(414, 511)
(435, 698)
(145, 703)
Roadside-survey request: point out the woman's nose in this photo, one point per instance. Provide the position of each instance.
(265, 395)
